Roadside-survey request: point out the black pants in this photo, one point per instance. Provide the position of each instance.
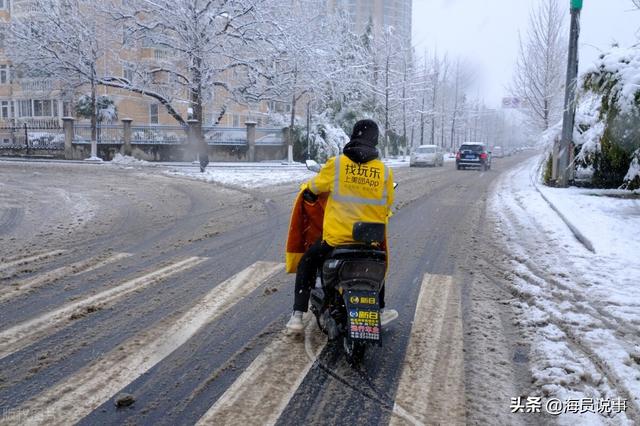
(307, 271)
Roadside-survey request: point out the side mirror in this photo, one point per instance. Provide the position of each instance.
(395, 185)
(313, 166)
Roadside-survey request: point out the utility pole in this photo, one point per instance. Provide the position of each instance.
(308, 126)
(569, 97)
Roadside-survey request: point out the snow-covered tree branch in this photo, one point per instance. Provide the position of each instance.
(539, 74)
(66, 41)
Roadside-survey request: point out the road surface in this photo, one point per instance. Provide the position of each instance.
(124, 281)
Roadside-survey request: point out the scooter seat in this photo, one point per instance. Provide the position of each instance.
(357, 251)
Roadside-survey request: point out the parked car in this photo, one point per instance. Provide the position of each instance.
(473, 154)
(497, 152)
(427, 155)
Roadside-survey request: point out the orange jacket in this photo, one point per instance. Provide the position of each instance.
(305, 228)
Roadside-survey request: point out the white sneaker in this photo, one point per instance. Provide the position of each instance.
(295, 322)
(387, 315)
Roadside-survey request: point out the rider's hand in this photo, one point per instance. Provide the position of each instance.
(309, 196)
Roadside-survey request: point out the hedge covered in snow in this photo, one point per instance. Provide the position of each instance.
(607, 127)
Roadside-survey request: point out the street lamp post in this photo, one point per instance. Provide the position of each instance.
(569, 96)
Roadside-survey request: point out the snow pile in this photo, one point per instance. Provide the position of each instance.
(127, 160)
(551, 136)
(622, 67)
(581, 308)
(45, 138)
(94, 159)
(249, 177)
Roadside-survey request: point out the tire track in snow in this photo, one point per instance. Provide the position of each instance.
(73, 269)
(75, 397)
(26, 333)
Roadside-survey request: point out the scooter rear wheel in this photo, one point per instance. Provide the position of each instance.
(354, 350)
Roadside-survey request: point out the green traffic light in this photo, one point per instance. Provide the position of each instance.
(576, 4)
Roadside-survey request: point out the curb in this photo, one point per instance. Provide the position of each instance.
(576, 233)
(579, 236)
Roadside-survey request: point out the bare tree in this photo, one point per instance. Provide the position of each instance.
(539, 73)
(212, 53)
(65, 41)
(387, 84)
(435, 82)
(308, 51)
(426, 86)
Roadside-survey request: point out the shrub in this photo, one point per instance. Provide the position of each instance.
(547, 176)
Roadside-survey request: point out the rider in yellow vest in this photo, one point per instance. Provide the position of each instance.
(360, 188)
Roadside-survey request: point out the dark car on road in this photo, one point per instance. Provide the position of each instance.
(473, 154)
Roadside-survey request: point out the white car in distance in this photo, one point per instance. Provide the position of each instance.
(427, 155)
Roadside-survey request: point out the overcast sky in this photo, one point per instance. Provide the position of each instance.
(486, 33)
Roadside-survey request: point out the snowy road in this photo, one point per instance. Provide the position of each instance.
(127, 280)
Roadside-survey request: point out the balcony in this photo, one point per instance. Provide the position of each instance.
(35, 123)
(23, 7)
(35, 85)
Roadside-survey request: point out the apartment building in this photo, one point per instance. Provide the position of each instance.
(382, 13)
(41, 101)
(22, 99)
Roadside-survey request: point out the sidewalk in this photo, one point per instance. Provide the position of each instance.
(581, 307)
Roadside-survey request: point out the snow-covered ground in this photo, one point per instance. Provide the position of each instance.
(257, 176)
(581, 308)
(243, 175)
(127, 160)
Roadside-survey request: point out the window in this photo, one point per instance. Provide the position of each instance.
(236, 120)
(4, 74)
(38, 108)
(127, 71)
(67, 109)
(45, 108)
(24, 108)
(472, 147)
(4, 109)
(4, 4)
(127, 36)
(153, 114)
(425, 150)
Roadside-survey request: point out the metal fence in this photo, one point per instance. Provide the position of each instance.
(174, 135)
(269, 137)
(158, 135)
(32, 136)
(105, 134)
(224, 135)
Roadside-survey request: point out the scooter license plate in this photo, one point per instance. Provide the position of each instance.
(363, 311)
